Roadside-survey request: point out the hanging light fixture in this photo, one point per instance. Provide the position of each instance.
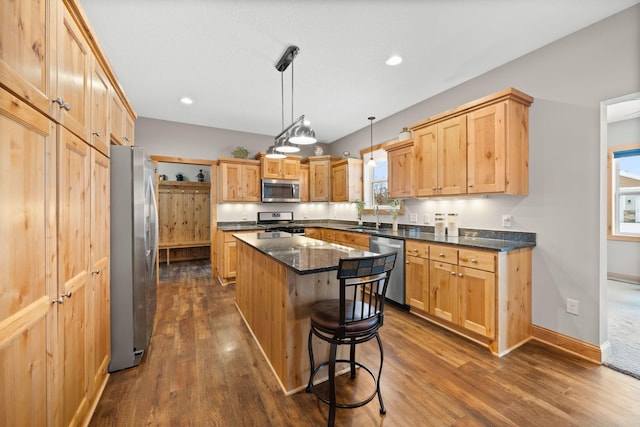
(371, 163)
(298, 132)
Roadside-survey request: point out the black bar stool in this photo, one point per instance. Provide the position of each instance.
(352, 319)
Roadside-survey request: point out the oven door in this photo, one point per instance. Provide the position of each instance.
(278, 190)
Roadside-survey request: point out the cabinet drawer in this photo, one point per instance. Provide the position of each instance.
(443, 253)
(360, 240)
(342, 237)
(419, 249)
(478, 259)
(328, 235)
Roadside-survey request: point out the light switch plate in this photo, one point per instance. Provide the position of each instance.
(426, 218)
(506, 220)
(413, 217)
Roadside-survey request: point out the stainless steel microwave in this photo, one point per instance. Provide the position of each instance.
(280, 190)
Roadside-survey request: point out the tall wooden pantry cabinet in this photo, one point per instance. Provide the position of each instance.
(56, 88)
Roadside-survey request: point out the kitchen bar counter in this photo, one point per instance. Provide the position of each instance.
(301, 254)
(278, 278)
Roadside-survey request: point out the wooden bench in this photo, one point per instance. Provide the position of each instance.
(180, 245)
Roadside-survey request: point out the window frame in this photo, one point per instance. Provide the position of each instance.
(613, 196)
(367, 175)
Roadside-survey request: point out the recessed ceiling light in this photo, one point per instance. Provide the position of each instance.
(393, 60)
(186, 100)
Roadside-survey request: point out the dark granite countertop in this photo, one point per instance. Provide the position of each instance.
(301, 254)
(495, 240)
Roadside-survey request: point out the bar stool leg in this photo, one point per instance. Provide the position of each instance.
(352, 359)
(383, 410)
(311, 361)
(332, 385)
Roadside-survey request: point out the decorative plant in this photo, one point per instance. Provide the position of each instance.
(240, 153)
(394, 208)
(359, 206)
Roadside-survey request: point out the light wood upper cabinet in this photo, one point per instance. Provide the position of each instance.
(498, 148)
(400, 163)
(26, 50)
(239, 180)
(346, 180)
(100, 100)
(28, 320)
(122, 124)
(434, 163)
(71, 91)
(287, 168)
(480, 147)
(303, 177)
(320, 177)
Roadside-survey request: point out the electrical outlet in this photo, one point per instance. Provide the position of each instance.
(426, 218)
(244, 215)
(506, 220)
(413, 217)
(572, 306)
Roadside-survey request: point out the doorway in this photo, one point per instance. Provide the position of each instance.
(186, 194)
(620, 237)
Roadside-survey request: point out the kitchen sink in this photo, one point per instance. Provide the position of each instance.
(362, 228)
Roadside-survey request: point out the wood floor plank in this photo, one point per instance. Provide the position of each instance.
(203, 368)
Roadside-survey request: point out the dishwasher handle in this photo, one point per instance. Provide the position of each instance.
(385, 244)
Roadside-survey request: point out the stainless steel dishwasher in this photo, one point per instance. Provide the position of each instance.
(396, 288)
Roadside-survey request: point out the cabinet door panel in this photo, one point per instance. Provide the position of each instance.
(426, 161)
(339, 183)
(486, 152)
(28, 319)
(99, 109)
(74, 69)
(477, 301)
(319, 181)
(417, 283)
(400, 173)
(290, 168)
(452, 156)
(98, 332)
(443, 284)
(73, 237)
(251, 183)
(24, 62)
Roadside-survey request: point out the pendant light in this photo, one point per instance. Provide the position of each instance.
(281, 145)
(298, 132)
(371, 163)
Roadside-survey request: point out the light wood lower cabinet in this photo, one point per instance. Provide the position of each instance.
(226, 255)
(417, 276)
(484, 295)
(29, 388)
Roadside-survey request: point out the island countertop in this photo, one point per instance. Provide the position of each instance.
(301, 254)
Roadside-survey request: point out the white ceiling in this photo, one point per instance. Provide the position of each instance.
(222, 54)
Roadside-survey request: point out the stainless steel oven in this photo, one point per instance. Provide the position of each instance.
(280, 190)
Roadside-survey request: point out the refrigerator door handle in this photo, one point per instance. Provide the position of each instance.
(154, 204)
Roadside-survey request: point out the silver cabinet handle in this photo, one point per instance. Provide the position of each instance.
(126, 138)
(460, 274)
(61, 298)
(67, 107)
(58, 101)
(470, 185)
(433, 188)
(473, 260)
(95, 272)
(453, 273)
(96, 133)
(441, 255)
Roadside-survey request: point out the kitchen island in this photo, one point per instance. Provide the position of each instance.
(279, 277)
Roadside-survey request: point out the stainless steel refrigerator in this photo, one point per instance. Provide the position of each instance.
(134, 242)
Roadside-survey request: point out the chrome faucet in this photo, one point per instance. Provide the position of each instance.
(376, 209)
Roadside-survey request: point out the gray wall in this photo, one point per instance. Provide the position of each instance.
(623, 257)
(568, 80)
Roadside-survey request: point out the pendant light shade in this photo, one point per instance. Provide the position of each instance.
(371, 163)
(273, 154)
(302, 134)
(284, 146)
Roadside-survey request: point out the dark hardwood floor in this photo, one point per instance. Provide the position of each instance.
(204, 369)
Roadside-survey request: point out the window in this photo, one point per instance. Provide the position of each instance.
(375, 180)
(624, 193)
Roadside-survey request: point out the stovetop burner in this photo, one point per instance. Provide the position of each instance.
(279, 221)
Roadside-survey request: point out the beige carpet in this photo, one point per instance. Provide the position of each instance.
(623, 318)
